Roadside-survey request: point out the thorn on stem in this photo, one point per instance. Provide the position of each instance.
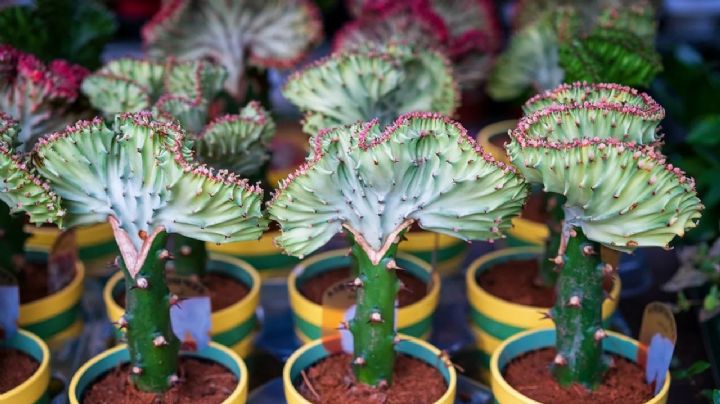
(136, 370)
(560, 360)
(588, 250)
(600, 334)
(142, 283)
(159, 341)
(376, 318)
(359, 361)
(574, 301)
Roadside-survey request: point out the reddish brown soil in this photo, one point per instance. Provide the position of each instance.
(201, 382)
(332, 381)
(530, 375)
(33, 282)
(535, 208)
(315, 288)
(15, 368)
(224, 291)
(514, 281)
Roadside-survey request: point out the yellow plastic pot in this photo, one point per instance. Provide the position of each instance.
(524, 231)
(57, 317)
(233, 326)
(493, 319)
(96, 245)
(114, 357)
(314, 351)
(414, 320)
(34, 389)
(449, 251)
(487, 133)
(545, 338)
(262, 254)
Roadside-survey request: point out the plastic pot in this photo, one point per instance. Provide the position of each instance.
(414, 320)
(114, 357)
(233, 326)
(493, 319)
(34, 389)
(532, 340)
(315, 351)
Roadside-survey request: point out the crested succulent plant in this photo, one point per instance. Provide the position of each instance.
(138, 175)
(183, 91)
(596, 145)
(374, 183)
(349, 87)
(466, 31)
(39, 97)
(238, 35)
(21, 191)
(604, 42)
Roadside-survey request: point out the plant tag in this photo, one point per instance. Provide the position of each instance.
(61, 261)
(9, 310)
(658, 335)
(191, 316)
(338, 310)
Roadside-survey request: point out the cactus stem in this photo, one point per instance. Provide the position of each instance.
(578, 315)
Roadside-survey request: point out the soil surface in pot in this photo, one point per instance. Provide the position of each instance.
(33, 282)
(224, 291)
(333, 382)
(200, 382)
(514, 281)
(315, 287)
(15, 368)
(530, 375)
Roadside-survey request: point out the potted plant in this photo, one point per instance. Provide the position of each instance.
(375, 184)
(244, 37)
(183, 91)
(38, 97)
(136, 175)
(404, 80)
(543, 53)
(508, 287)
(601, 154)
(25, 357)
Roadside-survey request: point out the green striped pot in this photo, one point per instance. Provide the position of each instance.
(493, 319)
(55, 318)
(233, 326)
(313, 321)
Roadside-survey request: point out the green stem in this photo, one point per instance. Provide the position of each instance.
(153, 346)
(373, 326)
(578, 314)
(190, 256)
(547, 276)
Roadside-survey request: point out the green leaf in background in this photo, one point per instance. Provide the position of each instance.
(710, 303)
(74, 30)
(706, 131)
(692, 371)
